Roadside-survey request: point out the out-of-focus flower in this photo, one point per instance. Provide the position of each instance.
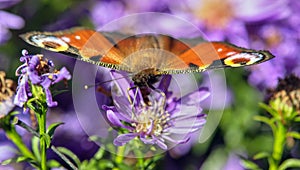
(7, 151)
(233, 162)
(8, 20)
(104, 12)
(7, 91)
(37, 70)
(226, 20)
(283, 42)
(168, 120)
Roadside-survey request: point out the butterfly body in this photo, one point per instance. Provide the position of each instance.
(146, 56)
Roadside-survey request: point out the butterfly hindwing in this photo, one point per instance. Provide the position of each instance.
(133, 53)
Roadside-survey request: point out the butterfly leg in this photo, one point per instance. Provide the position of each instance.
(132, 101)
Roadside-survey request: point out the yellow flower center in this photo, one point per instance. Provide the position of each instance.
(151, 121)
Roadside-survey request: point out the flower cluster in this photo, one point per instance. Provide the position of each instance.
(166, 120)
(8, 21)
(37, 70)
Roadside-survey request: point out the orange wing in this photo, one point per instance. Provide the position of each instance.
(137, 52)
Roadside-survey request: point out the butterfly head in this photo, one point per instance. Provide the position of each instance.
(146, 77)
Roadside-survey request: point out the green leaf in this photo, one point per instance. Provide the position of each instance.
(53, 164)
(250, 165)
(52, 128)
(269, 109)
(297, 119)
(94, 138)
(99, 153)
(46, 138)
(294, 134)
(124, 166)
(14, 113)
(35, 147)
(84, 164)
(70, 154)
(21, 159)
(289, 163)
(261, 155)
(14, 160)
(104, 164)
(9, 161)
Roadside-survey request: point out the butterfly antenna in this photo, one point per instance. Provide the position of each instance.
(103, 82)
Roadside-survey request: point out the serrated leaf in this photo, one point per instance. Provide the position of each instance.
(250, 165)
(70, 154)
(51, 129)
(261, 155)
(289, 163)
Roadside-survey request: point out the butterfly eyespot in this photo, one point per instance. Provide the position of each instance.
(50, 43)
(243, 59)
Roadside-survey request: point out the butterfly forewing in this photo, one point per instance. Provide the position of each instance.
(137, 52)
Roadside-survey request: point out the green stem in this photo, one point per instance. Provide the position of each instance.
(33, 132)
(279, 144)
(42, 132)
(120, 154)
(139, 156)
(17, 140)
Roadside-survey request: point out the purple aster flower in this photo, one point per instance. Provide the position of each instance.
(7, 92)
(37, 71)
(282, 39)
(220, 97)
(104, 12)
(8, 21)
(167, 121)
(225, 20)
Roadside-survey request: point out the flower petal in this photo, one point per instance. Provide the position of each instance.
(121, 116)
(161, 144)
(63, 74)
(114, 119)
(12, 21)
(196, 97)
(124, 138)
(49, 99)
